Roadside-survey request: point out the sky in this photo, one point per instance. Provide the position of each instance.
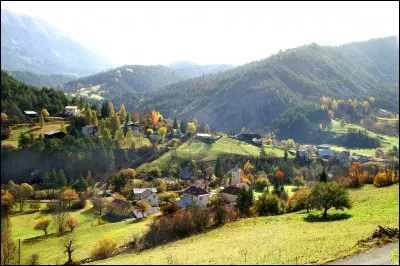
(151, 33)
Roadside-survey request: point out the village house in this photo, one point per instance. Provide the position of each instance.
(71, 110)
(248, 136)
(196, 195)
(324, 151)
(229, 193)
(305, 154)
(30, 114)
(148, 195)
(342, 156)
(206, 137)
(89, 129)
(53, 134)
(133, 126)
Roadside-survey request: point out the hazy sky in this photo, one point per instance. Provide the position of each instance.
(211, 32)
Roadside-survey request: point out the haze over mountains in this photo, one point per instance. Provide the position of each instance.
(29, 44)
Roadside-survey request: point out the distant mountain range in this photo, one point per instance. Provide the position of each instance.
(29, 44)
(191, 70)
(254, 94)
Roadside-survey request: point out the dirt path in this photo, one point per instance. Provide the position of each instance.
(375, 256)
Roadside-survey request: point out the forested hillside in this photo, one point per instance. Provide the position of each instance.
(191, 70)
(117, 83)
(38, 80)
(253, 95)
(17, 97)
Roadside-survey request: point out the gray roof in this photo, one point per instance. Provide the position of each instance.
(323, 152)
(139, 191)
(186, 201)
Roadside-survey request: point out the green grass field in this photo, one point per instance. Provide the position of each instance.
(89, 92)
(198, 150)
(36, 130)
(280, 239)
(387, 142)
(49, 248)
(288, 188)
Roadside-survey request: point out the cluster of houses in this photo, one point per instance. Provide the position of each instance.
(325, 152)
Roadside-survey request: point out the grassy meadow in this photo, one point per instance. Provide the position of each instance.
(281, 239)
(27, 129)
(88, 233)
(199, 150)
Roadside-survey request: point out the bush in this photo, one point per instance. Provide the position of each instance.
(169, 208)
(182, 224)
(269, 204)
(104, 248)
(72, 222)
(200, 217)
(168, 196)
(262, 183)
(34, 205)
(386, 178)
(299, 200)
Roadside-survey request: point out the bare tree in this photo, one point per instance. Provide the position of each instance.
(9, 249)
(60, 218)
(68, 243)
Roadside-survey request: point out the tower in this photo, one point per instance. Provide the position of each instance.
(235, 175)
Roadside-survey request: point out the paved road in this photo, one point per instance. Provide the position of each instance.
(375, 256)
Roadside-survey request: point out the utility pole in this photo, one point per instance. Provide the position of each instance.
(19, 251)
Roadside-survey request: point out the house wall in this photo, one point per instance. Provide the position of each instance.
(228, 197)
(152, 199)
(71, 111)
(235, 177)
(204, 199)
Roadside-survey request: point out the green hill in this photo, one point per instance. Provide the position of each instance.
(254, 94)
(284, 239)
(197, 150)
(38, 80)
(122, 83)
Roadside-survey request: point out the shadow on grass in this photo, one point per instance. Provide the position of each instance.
(312, 218)
(36, 239)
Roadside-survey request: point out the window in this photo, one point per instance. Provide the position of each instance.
(154, 196)
(149, 200)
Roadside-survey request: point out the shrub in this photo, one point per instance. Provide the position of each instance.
(72, 222)
(168, 196)
(269, 204)
(299, 200)
(104, 248)
(160, 185)
(51, 206)
(169, 208)
(262, 183)
(182, 224)
(200, 217)
(42, 224)
(34, 259)
(386, 178)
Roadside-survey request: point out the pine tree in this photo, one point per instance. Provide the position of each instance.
(219, 169)
(323, 176)
(42, 123)
(95, 120)
(110, 108)
(103, 111)
(175, 125)
(285, 156)
(88, 116)
(122, 113)
(129, 138)
(115, 124)
(126, 128)
(183, 126)
(61, 180)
